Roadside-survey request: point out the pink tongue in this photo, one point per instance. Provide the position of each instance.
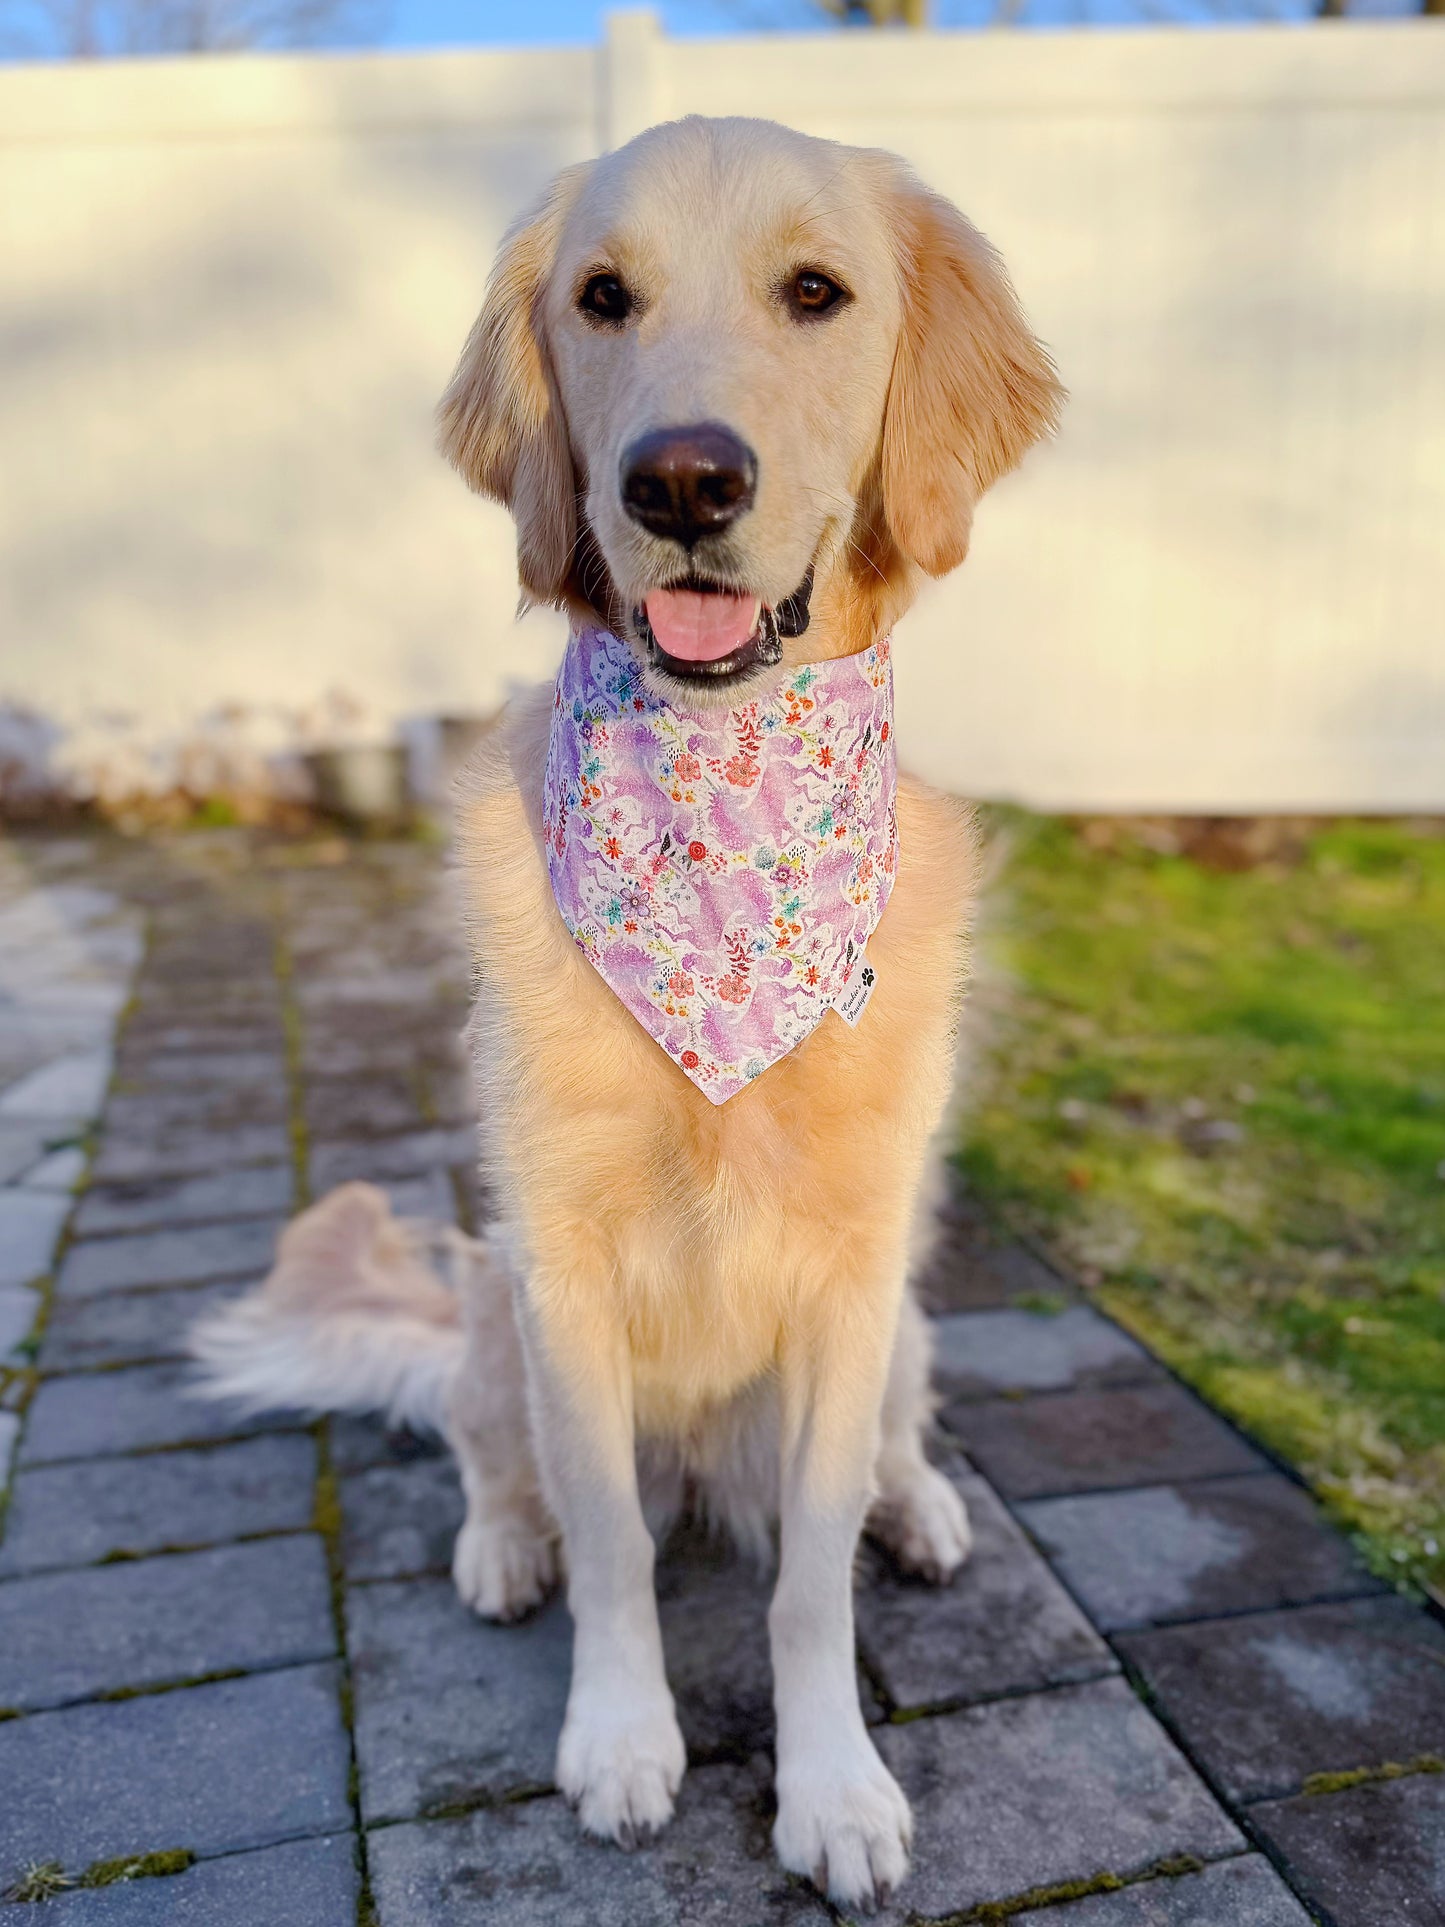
(700, 628)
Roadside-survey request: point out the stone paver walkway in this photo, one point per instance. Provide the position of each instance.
(237, 1641)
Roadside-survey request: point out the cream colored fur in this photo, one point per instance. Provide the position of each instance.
(697, 1298)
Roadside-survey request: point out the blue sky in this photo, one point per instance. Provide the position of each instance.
(430, 23)
(28, 28)
(422, 23)
(418, 23)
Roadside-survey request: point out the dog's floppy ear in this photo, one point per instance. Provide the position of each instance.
(500, 420)
(971, 390)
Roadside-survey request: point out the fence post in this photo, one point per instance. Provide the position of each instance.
(631, 79)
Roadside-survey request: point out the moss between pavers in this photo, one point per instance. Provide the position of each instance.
(44, 1879)
(513, 1796)
(155, 1688)
(326, 1505)
(327, 1520)
(18, 1383)
(291, 1048)
(1057, 1892)
(1321, 1783)
(1043, 1304)
(146, 1866)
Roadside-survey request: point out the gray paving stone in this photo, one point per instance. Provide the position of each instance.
(1003, 1625)
(447, 1707)
(1246, 1892)
(267, 1190)
(212, 949)
(984, 1353)
(430, 1197)
(358, 1443)
(1187, 1552)
(401, 1520)
(713, 1605)
(306, 1883)
(19, 1308)
(1265, 1701)
(187, 1256)
(452, 1096)
(378, 1159)
(246, 952)
(375, 990)
(83, 1013)
(69, 1086)
(127, 1327)
(59, 1170)
(381, 1104)
(156, 1072)
(184, 1152)
(30, 1227)
(72, 1635)
(1028, 1792)
(974, 1264)
(529, 1866)
(1087, 1441)
(152, 1115)
(23, 1142)
(1373, 1856)
(241, 1763)
(479, 1205)
(131, 1410)
(329, 1053)
(167, 998)
(157, 1033)
(30, 1037)
(79, 1514)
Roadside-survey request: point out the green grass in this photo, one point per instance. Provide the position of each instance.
(1220, 1099)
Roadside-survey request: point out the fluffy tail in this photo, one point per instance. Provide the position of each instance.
(353, 1318)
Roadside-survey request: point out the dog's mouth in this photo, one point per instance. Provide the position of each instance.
(704, 629)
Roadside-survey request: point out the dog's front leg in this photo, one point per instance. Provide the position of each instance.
(621, 1756)
(842, 1819)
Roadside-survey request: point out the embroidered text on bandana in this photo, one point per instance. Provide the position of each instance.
(722, 869)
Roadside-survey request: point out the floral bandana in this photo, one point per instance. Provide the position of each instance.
(723, 869)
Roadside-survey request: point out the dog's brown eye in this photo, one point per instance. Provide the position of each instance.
(812, 293)
(605, 297)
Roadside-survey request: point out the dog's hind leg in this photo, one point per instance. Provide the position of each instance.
(916, 1513)
(506, 1558)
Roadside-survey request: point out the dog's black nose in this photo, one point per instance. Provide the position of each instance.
(685, 483)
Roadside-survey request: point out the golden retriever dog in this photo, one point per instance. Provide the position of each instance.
(741, 390)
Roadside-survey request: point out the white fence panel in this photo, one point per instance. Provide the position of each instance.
(230, 291)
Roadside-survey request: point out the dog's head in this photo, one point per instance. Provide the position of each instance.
(731, 379)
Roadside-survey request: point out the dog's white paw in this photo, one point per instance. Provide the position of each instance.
(503, 1568)
(844, 1824)
(924, 1524)
(620, 1764)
